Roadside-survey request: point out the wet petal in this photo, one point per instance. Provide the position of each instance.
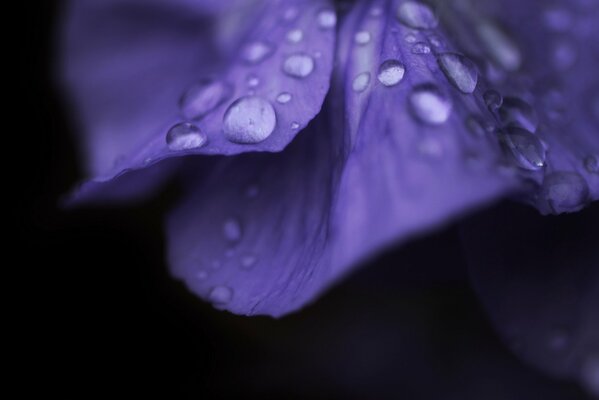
(152, 82)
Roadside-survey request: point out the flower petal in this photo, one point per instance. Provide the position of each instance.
(147, 80)
(538, 279)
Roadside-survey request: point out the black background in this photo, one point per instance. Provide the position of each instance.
(106, 318)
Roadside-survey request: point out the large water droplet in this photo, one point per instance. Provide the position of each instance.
(220, 295)
(429, 104)
(256, 52)
(525, 148)
(417, 15)
(565, 192)
(361, 82)
(460, 71)
(517, 112)
(185, 136)
(391, 72)
(204, 97)
(499, 46)
(298, 65)
(232, 230)
(249, 120)
(327, 19)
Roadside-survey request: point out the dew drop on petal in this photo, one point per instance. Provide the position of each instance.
(493, 99)
(220, 295)
(232, 230)
(249, 120)
(460, 71)
(417, 15)
(428, 104)
(391, 72)
(298, 65)
(327, 19)
(421, 48)
(526, 149)
(256, 52)
(565, 192)
(203, 97)
(362, 37)
(410, 38)
(253, 81)
(516, 112)
(361, 82)
(185, 136)
(295, 35)
(284, 98)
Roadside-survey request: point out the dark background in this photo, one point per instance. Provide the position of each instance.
(105, 317)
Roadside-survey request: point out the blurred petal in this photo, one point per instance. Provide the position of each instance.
(538, 279)
(152, 82)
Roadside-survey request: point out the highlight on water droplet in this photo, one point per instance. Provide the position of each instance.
(298, 65)
(284, 98)
(327, 19)
(249, 120)
(525, 149)
(565, 192)
(185, 136)
(421, 48)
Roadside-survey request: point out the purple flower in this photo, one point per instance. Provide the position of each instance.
(336, 129)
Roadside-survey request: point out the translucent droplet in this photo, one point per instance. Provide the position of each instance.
(284, 98)
(391, 72)
(256, 52)
(516, 112)
(421, 48)
(185, 136)
(232, 230)
(362, 37)
(493, 99)
(298, 65)
(361, 82)
(253, 81)
(525, 148)
(295, 125)
(417, 15)
(295, 35)
(410, 38)
(203, 97)
(499, 46)
(565, 192)
(589, 374)
(327, 19)
(249, 120)
(460, 71)
(428, 104)
(591, 164)
(248, 261)
(221, 295)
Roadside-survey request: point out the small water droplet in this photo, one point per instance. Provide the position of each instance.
(295, 35)
(391, 72)
(517, 112)
(203, 97)
(362, 37)
(460, 71)
(499, 46)
(221, 295)
(185, 136)
(253, 81)
(591, 164)
(284, 98)
(249, 120)
(232, 230)
(410, 38)
(421, 48)
(525, 148)
(248, 261)
(565, 192)
(493, 99)
(256, 52)
(327, 19)
(428, 104)
(417, 15)
(361, 82)
(298, 65)
(295, 125)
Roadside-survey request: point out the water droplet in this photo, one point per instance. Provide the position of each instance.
(435, 40)
(517, 112)
(421, 48)
(248, 261)
(220, 295)
(295, 35)
(327, 19)
(493, 99)
(185, 136)
(295, 125)
(253, 81)
(252, 192)
(460, 71)
(429, 104)
(475, 126)
(361, 82)
(362, 37)
(298, 65)
(391, 72)
(232, 230)
(249, 120)
(284, 98)
(410, 38)
(499, 46)
(203, 97)
(589, 374)
(525, 148)
(591, 164)
(256, 52)
(565, 192)
(417, 15)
